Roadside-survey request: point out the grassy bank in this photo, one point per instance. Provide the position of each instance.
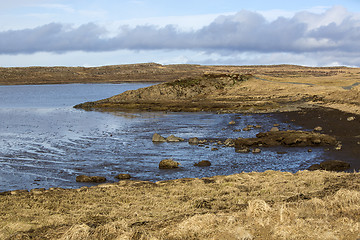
(268, 205)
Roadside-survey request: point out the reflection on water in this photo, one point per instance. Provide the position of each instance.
(44, 142)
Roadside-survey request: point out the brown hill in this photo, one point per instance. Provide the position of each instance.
(239, 92)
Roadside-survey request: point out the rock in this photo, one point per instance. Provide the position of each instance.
(214, 149)
(168, 164)
(316, 141)
(37, 190)
(158, 138)
(309, 150)
(243, 150)
(258, 126)
(229, 142)
(274, 129)
(204, 163)
(246, 129)
(349, 119)
(232, 122)
(194, 141)
(330, 165)
(172, 138)
(94, 179)
(318, 129)
(123, 176)
(276, 125)
(18, 192)
(256, 150)
(338, 147)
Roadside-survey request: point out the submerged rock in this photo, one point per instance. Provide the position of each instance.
(168, 164)
(94, 179)
(242, 150)
(204, 163)
(123, 176)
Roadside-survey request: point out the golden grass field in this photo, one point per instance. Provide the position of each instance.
(268, 205)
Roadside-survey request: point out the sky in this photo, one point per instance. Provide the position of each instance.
(228, 32)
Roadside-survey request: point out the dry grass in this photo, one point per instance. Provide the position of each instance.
(269, 205)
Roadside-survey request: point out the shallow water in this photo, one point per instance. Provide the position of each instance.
(44, 142)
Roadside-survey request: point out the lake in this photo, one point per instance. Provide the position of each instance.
(44, 142)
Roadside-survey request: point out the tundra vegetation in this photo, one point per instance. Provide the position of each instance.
(266, 205)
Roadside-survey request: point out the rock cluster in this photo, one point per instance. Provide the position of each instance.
(286, 138)
(159, 139)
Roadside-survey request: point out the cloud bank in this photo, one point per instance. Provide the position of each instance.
(335, 31)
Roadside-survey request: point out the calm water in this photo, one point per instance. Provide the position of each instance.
(44, 142)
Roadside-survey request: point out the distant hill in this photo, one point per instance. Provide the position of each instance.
(152, 72)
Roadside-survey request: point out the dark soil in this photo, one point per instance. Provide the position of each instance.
(334, 123)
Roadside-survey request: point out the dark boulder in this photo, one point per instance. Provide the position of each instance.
(123, 176)
(93, 179)
(168, 164)
(203, 163)
(330, 165)
(334, 165)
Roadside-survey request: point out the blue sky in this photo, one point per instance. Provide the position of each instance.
(107, 32)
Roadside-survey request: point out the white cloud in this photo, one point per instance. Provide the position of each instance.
(334, 32)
